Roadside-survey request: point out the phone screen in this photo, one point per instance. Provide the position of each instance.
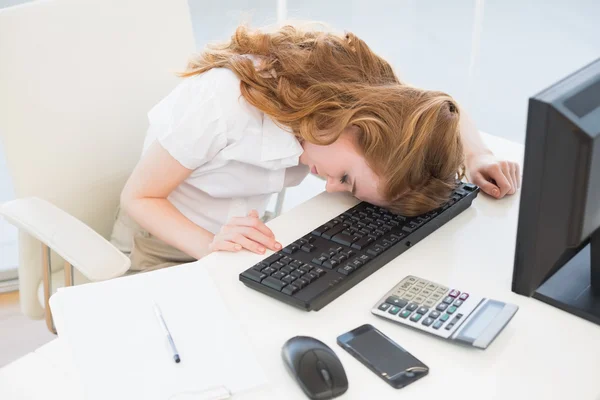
(382, 355)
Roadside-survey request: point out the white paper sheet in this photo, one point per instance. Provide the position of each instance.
(122, 353)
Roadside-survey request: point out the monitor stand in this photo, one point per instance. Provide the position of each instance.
(572, 287)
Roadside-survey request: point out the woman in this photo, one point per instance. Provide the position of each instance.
(256, 114)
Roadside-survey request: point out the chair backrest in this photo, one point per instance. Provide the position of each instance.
(77, 78)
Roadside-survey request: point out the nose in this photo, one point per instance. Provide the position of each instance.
(333, 186)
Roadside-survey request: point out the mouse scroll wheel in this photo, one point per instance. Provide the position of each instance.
(324, 373)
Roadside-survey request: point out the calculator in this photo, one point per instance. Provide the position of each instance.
(452, 314)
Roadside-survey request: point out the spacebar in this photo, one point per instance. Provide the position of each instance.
(342, 238)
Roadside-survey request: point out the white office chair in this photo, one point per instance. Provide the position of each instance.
(77, 78)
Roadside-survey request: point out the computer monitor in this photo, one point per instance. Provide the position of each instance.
(557, 257)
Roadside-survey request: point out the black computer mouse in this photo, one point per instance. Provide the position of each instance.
(315, 366)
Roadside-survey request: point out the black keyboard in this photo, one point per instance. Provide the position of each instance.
(322, 265)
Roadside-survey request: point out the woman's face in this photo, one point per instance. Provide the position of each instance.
(344, 169)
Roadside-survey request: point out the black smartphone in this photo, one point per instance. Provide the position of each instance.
(383, 356)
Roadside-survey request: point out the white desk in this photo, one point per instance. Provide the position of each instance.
(543, 353)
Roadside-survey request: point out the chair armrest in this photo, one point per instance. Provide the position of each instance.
(78, 244)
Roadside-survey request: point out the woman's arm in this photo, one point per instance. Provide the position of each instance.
(144, 199)
(495, 177)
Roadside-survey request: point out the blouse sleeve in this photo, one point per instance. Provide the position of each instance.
(191, 122)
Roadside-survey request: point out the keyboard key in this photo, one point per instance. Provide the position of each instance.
(348, 253)
(287, 269)
(362, 243)
(279, 275)
(319, 272)
(307, 267)
(376, 250)
(442, 307)
(296, 264)
(412, 307)
(385, 244)
(285, 260)
(330, 264)
(444, 317)
(307, 248)
(434, 314)
(344, 238)
(259, 266)
(423, 310)
(404, 314)
(394, 310)
(427, 321)
(356, 264)
(454, 293)
(438, 324)
(448, 300)
(364, 258)
(269, 270)
(255, 275)
(273, 283)
(291, 249)
(470, 187)
(309, 238)
(458, 303)
(407, 229)
(384, 306)
(290, 289)
(340, 258)
(416, 317)
(272, 258)
(319, 260)
(310, 277)
(297, 273)
(451, 310)
(346, 270)
(300, 282)
(396, 301)
(464, 296)
(320, 230)
(288, 279)
(334, 231)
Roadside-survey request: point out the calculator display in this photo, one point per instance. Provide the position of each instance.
(483, 318)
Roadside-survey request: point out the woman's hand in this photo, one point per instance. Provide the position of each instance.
(496, 178)
(245, 233)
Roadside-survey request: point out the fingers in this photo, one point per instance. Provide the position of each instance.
(221, 245)
(250, 238)
(498, 174)
(486, 186)
(518, 175)
(251, 221)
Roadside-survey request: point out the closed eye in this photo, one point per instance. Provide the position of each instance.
(344, 179)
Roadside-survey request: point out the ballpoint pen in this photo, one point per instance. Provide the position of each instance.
(162, 322)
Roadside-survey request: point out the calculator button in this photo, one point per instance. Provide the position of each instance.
(411, 279)
(423, 310)
(400, 293)
(442, 289)
(429, 303)
(419, 299)
(442, 307)
(438, 324)
(384, 306)
(415, 317)
(451, 310)
(406, 285)
(408, 296)
(427, 321)
(431, 287)
(458, 303)
(414, 289)
(396, 301)
(412, 307)
(449, 326)
(394, 310)
(404, 314)
(454, 293)
(444, 317)
(425, 292)
(436, 296)
(434, 314)
(464, 296)
(455, 320)
(421, 283)
(448, 300)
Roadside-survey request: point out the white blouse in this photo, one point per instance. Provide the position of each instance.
(238, 155)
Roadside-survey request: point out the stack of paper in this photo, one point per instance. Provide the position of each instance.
(122, 353)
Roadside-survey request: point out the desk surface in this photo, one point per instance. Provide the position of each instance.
(543, 353)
